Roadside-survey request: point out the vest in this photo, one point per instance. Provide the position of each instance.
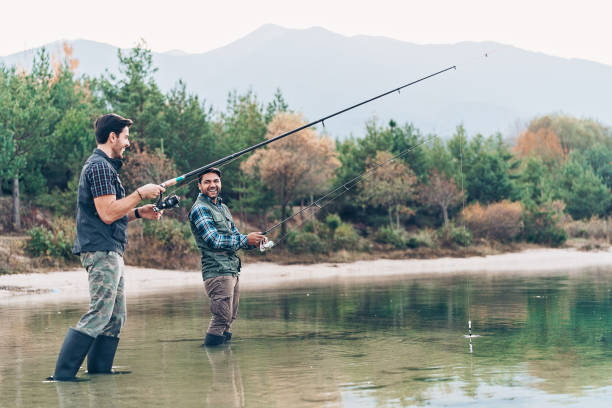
(92, 234)
(216, 262)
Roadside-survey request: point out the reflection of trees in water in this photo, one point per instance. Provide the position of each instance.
(399, 340)
(561, 326)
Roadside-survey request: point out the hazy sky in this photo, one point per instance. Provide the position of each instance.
(572, 29)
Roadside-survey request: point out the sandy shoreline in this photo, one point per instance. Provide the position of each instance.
(72, 285)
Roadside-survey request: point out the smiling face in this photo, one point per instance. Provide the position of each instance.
(210, 185)
(118, 143)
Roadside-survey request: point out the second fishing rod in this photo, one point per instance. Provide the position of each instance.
(172, 201)
(337, 192)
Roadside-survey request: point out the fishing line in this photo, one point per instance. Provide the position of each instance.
(487, 54)
(340, 190)
(462, 140)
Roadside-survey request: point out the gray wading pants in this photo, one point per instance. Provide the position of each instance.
(224, 294)
(107, 311)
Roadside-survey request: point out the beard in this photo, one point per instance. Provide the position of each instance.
(213, 193)
(118, 150)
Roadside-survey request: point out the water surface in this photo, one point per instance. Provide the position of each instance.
(544, 340)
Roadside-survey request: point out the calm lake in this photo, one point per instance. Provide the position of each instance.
(539, 341)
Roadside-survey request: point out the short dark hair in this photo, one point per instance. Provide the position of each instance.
(209, 170)
(108, 123)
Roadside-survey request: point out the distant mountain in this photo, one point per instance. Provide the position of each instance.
(319, 72)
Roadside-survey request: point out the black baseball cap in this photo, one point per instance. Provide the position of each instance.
(210, 170)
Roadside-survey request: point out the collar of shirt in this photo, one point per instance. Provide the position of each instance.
(219, 199)
(116, 163)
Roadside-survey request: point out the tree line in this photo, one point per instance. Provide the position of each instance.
(486, 186)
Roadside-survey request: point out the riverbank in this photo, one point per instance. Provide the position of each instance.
(72, 285)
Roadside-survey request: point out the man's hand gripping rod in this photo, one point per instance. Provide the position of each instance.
(168, 202)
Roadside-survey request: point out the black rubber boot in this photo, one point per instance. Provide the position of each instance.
(227, 335)
(101, 355)
(71, 355)
(213, 340)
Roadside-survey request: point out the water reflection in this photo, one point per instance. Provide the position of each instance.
(544, 341)
(103, 392)
(226, 388)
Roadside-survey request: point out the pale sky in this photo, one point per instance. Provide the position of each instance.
(570, 29)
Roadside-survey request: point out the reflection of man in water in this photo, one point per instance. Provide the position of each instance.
(218, 239)
(94, 394)
(226, 389)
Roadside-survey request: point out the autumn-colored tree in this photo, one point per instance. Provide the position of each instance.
(440, 191)
(144, 167)
(543, 143)
(390, 184)
(300, 164)
(574, 133)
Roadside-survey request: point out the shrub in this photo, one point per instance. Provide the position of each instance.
(423, 238)
(333, 221)
(461, 236)
(162, 244)
(11, 256)
(56, 242)
(175, 236)
(543, 224)
(596, 228)
(502, 221)
(577, 229)
(599, 228)
(300, 242)
(457, 235)
(391, 236)
(318, 228)
(345, 237)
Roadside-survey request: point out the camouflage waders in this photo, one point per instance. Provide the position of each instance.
(107, 311)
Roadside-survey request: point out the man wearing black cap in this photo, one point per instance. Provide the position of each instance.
(219, 239)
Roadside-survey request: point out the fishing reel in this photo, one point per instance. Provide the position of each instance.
(166, 203)
(265, 244)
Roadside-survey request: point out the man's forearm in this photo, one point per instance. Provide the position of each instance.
(110, 209)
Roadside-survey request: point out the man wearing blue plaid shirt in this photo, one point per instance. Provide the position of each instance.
(219, 239)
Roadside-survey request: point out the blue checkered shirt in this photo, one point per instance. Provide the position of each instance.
(101, 178)
(206, 228)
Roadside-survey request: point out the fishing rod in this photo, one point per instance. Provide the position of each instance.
(172, 201)
(340, 190)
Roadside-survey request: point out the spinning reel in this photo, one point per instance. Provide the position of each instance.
(166, 203)
(265, 244)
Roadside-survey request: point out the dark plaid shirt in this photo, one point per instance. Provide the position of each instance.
(205, 225)
(101, 178)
